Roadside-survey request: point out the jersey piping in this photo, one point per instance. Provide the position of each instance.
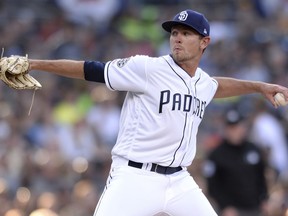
(109, 83)
(185, 123)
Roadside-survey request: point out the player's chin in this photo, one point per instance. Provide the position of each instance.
(177, 57)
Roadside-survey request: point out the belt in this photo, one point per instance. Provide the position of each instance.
(156, 168)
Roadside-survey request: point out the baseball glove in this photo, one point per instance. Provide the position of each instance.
(14, 73)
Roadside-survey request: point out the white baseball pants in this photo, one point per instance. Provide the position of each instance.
(131, 191)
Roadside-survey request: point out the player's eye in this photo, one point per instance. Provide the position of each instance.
(186, 33)
(174, 33)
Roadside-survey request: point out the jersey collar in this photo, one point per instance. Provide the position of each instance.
(180, 70)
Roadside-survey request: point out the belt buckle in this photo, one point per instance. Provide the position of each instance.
(161, 171)
(156, 168)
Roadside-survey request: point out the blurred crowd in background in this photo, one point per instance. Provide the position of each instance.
(55, 161)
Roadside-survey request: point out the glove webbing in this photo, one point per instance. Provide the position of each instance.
(33, 96)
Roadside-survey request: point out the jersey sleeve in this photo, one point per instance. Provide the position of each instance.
(208, 86)
(128, 74)
(214, 87)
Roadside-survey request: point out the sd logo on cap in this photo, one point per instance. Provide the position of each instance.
(189, 18)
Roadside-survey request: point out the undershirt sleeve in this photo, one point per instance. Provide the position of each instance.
(94, 71)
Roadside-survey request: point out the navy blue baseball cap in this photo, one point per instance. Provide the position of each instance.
(189, 18)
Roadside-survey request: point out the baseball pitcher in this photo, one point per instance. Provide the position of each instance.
(165, 103)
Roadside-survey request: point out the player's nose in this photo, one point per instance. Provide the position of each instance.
(177, 39)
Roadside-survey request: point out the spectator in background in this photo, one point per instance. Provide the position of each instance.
(103, 117)
(100, 12)
(268, 132)
(235, 171)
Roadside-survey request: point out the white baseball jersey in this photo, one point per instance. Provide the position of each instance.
(162, 110)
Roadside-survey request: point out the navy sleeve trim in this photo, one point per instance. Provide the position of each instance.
(108, 80)
(94, 71)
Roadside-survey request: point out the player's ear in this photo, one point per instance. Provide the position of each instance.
(204, 42)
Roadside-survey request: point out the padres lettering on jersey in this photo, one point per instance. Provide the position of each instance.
(186, 103)
(162, 109)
